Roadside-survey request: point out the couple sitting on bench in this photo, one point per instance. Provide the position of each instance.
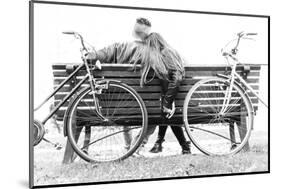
(151, 51)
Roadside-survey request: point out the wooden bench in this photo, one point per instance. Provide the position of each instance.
(150, 93)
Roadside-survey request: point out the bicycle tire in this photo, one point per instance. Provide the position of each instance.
(74, 104)
(197, 112)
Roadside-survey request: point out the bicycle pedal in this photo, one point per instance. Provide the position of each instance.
(58, 146)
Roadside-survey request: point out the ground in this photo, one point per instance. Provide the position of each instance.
(48, 168)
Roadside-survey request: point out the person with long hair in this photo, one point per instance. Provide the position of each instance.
(152, 52)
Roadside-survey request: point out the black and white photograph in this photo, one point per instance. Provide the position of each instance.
(124, 94)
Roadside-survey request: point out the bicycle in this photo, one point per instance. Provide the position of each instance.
(97, 114)
(218, 112)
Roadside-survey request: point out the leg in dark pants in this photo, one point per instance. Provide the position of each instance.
(162, 132)
(169, 92)
(160, 139)
(178, 132)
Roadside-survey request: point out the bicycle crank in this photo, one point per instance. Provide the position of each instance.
(38, 135)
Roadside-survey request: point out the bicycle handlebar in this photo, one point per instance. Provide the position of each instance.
(240, 35)
(84, 51)
(251, 33)
(69, 32)
(235, 49)
(78, 36)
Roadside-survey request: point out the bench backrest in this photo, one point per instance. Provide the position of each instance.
(150, 93)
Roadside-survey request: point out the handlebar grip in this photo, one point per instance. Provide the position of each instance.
(69, 32)
(252, 34)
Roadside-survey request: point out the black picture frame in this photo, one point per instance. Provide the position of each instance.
(31, 87)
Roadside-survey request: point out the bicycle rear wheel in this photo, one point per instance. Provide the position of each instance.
(96, 140)
(210, 131)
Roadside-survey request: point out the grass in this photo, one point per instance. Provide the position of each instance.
(49, 170)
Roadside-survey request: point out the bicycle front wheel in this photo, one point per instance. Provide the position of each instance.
(213, 127)
(113, 139)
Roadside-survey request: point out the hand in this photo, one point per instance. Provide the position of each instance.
(169, 112)
(91, 57)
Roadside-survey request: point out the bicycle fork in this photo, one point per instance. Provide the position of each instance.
(92, 85)
(228, 92)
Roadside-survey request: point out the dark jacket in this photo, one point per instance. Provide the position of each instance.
(119, 53)
(164, 61)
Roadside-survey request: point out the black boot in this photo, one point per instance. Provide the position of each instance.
(157, 146)
(186, 148)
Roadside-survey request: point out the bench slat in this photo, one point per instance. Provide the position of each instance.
(195, 67)
(152, 89)
(132, 74)
(136, 81)
(156, 103)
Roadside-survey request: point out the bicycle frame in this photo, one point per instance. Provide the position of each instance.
(250, 88)
(233, 77)
(96, 87)
(88, 77)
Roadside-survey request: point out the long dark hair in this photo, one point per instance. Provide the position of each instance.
(157, 54)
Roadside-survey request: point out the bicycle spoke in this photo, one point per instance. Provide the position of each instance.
(103, 139)
(210, 130)
(109, 135)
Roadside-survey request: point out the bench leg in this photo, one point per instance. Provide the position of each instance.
(69, 155)
(232, 134)
(127, 138)
(242, 129)
(87, 138)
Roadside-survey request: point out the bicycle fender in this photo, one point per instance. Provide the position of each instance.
(68, 109)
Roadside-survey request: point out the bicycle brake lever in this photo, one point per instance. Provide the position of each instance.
(224, 53)
(248, 38)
